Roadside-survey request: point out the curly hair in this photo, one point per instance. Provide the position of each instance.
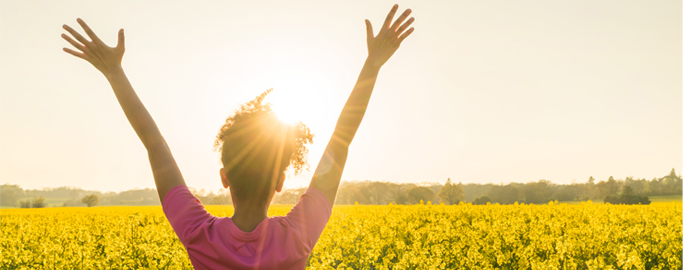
(256, 147)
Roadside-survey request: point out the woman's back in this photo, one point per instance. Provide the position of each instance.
(276, 243)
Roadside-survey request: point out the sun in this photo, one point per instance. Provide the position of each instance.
(299, 93)
(287, 104)
(287, 113)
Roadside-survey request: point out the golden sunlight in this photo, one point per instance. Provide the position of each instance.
(287, 109)
(298, 92)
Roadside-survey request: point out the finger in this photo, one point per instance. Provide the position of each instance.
(73, 42)
(406, 34)
(401, 18)
(368, 27)
(77, 54)
(405, 25)
(88, 31)
(78, 36)
(122, 40)
(390, 16)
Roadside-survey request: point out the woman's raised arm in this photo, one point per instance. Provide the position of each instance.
(380, 48)
(108, 61)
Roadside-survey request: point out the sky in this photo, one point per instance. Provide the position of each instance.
(481, 92)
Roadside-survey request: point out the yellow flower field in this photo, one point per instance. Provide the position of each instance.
(553, 236)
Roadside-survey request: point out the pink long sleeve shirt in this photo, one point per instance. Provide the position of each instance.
(277, 243)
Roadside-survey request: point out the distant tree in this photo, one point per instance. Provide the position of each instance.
(221, 200)
(607, 188)
(38, 202)
(655, 187)
(537, 192)
(25, 204)
(510, 194)
(568, 192)
(370, 192)
(9, 194)
(350, 193)
(435, 187)
(402, 199)
(473, 191)
(612, 186)
(145, 196)
(590, 188)
(507, 194)
(672, 183)
(628, 181)
(397, 193)
(639, 186)
(74, 194)
(378, 192)
(481, 200)
(627, 197)
(417, 194)
(288, 196)
(451, 194)
(90, 200)
(610, 199)
(495, 193)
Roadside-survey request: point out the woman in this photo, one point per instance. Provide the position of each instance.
(256, 149)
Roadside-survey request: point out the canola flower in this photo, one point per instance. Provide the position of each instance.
(552, 236)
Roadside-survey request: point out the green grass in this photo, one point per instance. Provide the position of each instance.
(49, 202)
(654, 199)
(52, 202)
(667, 198)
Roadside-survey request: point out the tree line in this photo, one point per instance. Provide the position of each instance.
(14, 195)
(611, 190)
(628, 190)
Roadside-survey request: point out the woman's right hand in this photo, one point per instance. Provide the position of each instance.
(389, 38)
(106, 59)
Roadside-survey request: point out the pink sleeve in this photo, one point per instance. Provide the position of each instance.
(184, 211)
(310, 215)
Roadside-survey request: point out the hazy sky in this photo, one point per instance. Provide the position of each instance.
(482, 91)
